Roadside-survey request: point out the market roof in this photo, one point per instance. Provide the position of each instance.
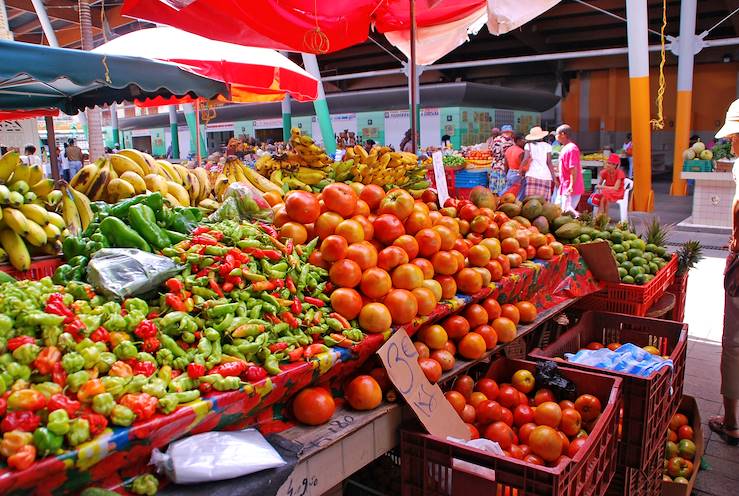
(36, 77)
(432, 95)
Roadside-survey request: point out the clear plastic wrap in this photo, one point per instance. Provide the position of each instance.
(216, 456)
(123, 272)
(242, 201)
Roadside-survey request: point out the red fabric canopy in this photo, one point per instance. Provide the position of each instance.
(12, 115)
(312, 26)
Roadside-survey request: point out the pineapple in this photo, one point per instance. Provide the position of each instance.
(688, 256)
(600, 222)
(586, 218)
(656, 234)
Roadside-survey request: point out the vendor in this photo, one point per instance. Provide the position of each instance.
(513, 159)
(538, 164)
(497, 174)
(610, 187)
(446, 141)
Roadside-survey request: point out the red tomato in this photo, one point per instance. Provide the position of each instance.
(575, 446)
(345, 273)
(488, 387)
(492, 307)
(402, 305)
(448, 286)
(422, 350)
(511, 312)
(508, 396)
(476, 315)
(488, 334)
(533, 459)
(347, 302)
(302, 207)
(388, 228)
(487, 411)
(426, 266)
(373, 195)
(367, 227)
(445, 262)
(501, 433)
(363, 393)
(316, 259)
(364, 253)
(468, 414)
(457, 401)
(588, 406)
(506, 416)
(524, 431)
(340, 198)
(523, 414)
(456, 326)
(375, 283)
(416, 221)
(313, 406)
(571, 422)
(391, 257)
(474, 433)
(426, 300)
(409, 244)
(397, 202)
(429, 242)
(472, 346)
(543, 395)
(445, 359)
(431, 369)
(333, 248)
(464, 384)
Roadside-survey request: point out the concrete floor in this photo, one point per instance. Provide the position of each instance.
(704, 315)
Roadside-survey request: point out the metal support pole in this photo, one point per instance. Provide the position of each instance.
(636, 30)
(193, 124)
(51, 142)
(286, 118)
(321, 106)
(173, 132)
(43, 19)
(114, 124)
(413, 79)
(197, 128)
(684, 93)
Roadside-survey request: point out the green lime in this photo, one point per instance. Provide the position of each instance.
(638, 244)
(661, 251)
(585, 238)
(653, 268)
(631, 236)
(626, 245)
(618, 248)
(620, 258)
(617, 236)
(651, 247)
(648, 277)
(633, 253)
(639, 261)
(648, 256)
(622, 272)
(640, 279)
(628, 280)
(576, 241)
(627, 265)
(636, 270)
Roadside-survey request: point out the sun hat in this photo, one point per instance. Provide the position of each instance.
(614, 159)
(507, 128)
(731, 126)
(536, 133)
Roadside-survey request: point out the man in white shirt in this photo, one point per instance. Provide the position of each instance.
(29, 157)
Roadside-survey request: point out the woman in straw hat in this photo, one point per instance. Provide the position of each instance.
(727, 426)
(538, 161)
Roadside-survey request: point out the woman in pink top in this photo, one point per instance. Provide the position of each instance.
(570, 172)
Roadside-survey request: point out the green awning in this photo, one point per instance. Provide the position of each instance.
(36, 77)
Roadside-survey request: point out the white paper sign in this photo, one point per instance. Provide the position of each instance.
(441, 187)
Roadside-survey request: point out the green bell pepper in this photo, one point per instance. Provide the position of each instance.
(146, 485)
(46, 441)
(122, 236)
(76, 380)
(73, 362)
(103, 403)
(144, 222)
(155, 201)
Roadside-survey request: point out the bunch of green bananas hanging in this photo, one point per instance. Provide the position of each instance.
(29, 223)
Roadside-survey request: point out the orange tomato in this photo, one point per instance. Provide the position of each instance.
(280, 215)
(429, 242)
(445, 359)
(505, 329)
(492, 307)
(364, 253)
(313, 406)
(351, 230)
(456, 399)
(334, 248)
(375, 317)
(416, 221)
(345, 273)
(557, 247)
(431, 369)
(448, 237)
(472, 346)
(362, 208)
(448, 286)
(548, 413)
(527, 311)
(515, 259)
(545, 252)
(391, 257)
(571, 422)
(340, 198)
(402, 304)
(409, 244)
(347, 302)
(509, 245)
(294, 231)
(375, 282)
(450, 223)
(373, 195)
(434, 286)
(479, 256)
(426, 267)
(397, 202)
(363, 393)
(433, 336)
(476, 398)
(445, 262)
(545, 442)
(407, 276)
(469, 281)
(476, 315)
(523, 239)
(468, 415)
(326, 224)
(273, 198)
(511, 312)
(422, 350)
(488, 334)
(367, 227)
(426, 300)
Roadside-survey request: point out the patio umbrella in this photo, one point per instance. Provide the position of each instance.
(254, 74)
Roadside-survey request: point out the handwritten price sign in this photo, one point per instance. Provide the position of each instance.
(427, 401)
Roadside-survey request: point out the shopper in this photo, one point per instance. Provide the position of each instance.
(727, 427)
(538, 164)
(368, 145)
(628, 151)
(610, 187)
(494, 133)
(513, 160)
(74, 156)
(29, 156)
(497, 174)
(406, 144)
(571, 185)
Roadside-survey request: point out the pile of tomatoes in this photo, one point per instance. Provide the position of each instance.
(526, 422)
(680, 450)
(478, 154)
(392, 258)
(470, 333)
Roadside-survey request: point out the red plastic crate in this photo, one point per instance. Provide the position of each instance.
(431, 465)
(450, 183)
(40, 268)
(649, 402)
(463, 193)
(680, 289)
(631, 299)
(645, 482)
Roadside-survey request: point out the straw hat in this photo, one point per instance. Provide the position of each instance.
(731, 126)
(536, 134)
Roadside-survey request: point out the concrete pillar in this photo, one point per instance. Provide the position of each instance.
(286, 118)
(321, 106)
(194, 127)
(114, 124)
(636, 30)
(684, 93)
(173, 132)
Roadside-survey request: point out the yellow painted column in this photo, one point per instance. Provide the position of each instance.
(641, 132)
(686, 52)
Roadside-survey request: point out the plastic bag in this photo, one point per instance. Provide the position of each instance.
(123, 272)
(628, 358)
(216, 456)
(242, 201)
(547, 375)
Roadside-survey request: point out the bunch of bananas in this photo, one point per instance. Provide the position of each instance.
(28, 221)
(303, 154)
(131, 172)
(235, 171)
(385, 167)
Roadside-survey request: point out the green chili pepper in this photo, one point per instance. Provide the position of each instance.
(155, 387)
(19, 371)
(65, 342)
(232, 350)
(125, 350)
(115, 385)
(26, 353)
(144, 222)
(79, 431)
(215, 356)
(103, 403)
(169, 402)
(46, 442)
(272, 365)
(122, 236)
(165, 357)
(122, 415)
(106, 360)
(212, 334)
(115, 322)
(58, 422)
(48, 389)
(136, 383)
(91, 355)
(204, 346)
(143, 356)
(182, 383)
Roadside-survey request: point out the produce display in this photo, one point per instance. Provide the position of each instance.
(529, 422)
(698, 152)
(453, 161)
(680, 450)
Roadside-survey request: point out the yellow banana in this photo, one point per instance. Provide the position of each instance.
(137, 157)
(56, 220)
(52, 232)
(261, 182)
(169, 171)
(86, 176)
(71, 216)
(137, 181)
(36, 213)
(98, 188)
(35, 174)
(122, 163)
(16, 249)
(15, 220)
(8, 163)
(82, 203)
(204, 180)
(36, 235)
(179, 192)
(43, 187)
(21, 173)
(155, 182)
(119, 189)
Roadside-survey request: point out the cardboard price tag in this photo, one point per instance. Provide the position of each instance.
(442, 189)
(427, 400)
(600, 260)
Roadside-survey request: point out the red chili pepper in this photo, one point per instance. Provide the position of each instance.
(151, 345)
(100, 334)
(175, 285)
(176, 373)
(195, 370)
(269, 229)
(141, 404)
(55, 305)
(18, 341)
(329, 287)
(152, 315)
(214, 286)
(230, 369)
(205, 388)
(296, 354)
(75, 328)
(204, 239)
(200, 230)
(275, 347)
(296, 306)
(146, 368)
(272, 318)
(273, 255)
(97, 423)
(59, 375)
(174, 302)
(146, 329)
(235, 280)
(290, 284)
(263, 286)
(279, 283)
(217, 234)
(344, 323)
(3, 406)
(255, 373)
(21, 420)
(290, 319)
(289, 247)
(314, 301)
(46, 360)
(227, 287)
(314, 349)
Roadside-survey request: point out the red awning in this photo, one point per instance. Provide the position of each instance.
(14, 115)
